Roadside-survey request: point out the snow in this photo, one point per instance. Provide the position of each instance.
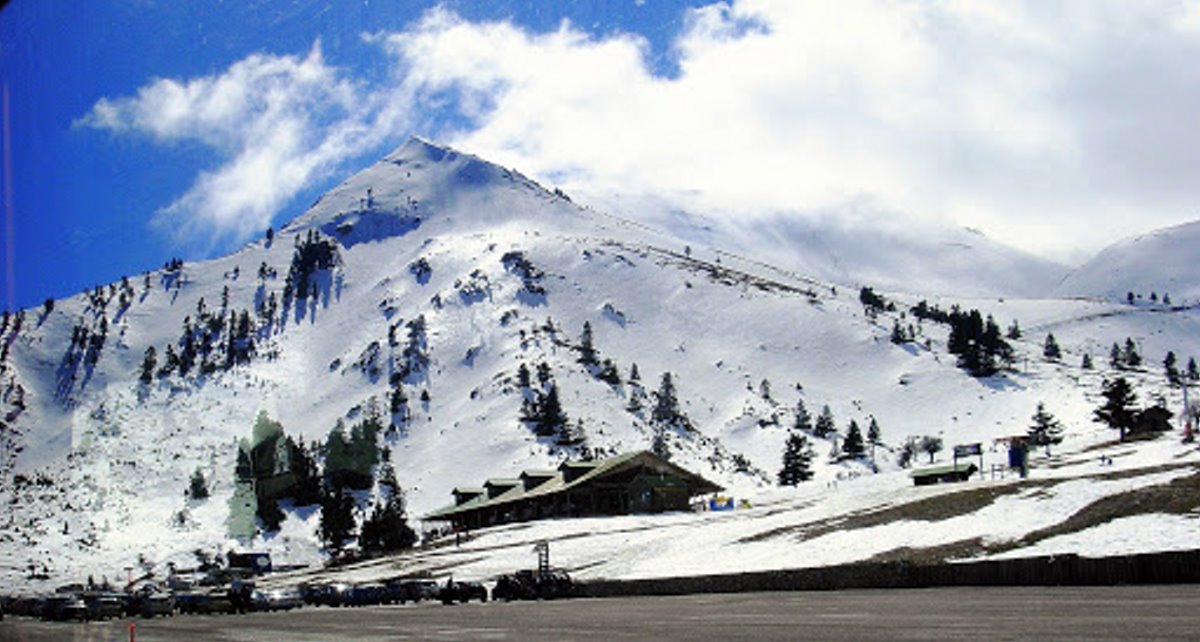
(1161, 262)
(701, 302)
(1122, 536)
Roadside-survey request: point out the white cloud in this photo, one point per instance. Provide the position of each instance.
(1053, 126)
(279, 121)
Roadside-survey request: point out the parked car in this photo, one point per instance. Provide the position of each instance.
(213, 601)
(366, 594)
(64, 607)
(404, 591)
(553, 585)
(29, 606)
(103, 606)
(532, 585)
(276, 600)
(327, 593)
(187, 602)
(514, 586)
(455, 591)
(151, 604)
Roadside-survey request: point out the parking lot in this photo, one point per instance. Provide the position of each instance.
(1076, 613)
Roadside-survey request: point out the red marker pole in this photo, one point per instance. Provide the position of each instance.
(132, 632)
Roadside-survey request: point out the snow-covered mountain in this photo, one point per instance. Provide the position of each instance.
(854, 246)
(417, 289)
(1162, 262)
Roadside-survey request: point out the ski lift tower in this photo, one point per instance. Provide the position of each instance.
(1189, 433)
(542, 548)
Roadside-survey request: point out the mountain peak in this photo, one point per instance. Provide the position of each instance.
(417, 182)
(417, 147)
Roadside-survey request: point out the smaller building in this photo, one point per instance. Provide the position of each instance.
(948, 473)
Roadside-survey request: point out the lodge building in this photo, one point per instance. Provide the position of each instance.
(637, 482)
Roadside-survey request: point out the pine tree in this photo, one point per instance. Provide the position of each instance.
(1193, 373)
(658, 443)
(386, 529)
(1014, 331)
(1170, 368)
(803, 420)
(1114, 356)
(1046, 430)
(587, 352)
(608, 373)
(824, 426)
(853, 445)
(170, 362)
(1087, 362)
(198, 486)
(1050, 349)
(550, 417)
(270, 515)
(149, 363)
(308, 478)
(797, 460)
(873, 436)
(898, 335)
(1130, 354)
(523, 379)
(666, 406)
(337, 518)
(1118, 411)
(571, 434)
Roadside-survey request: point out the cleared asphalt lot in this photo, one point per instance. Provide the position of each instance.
(1074, 613)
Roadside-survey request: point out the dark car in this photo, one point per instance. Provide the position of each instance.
(531, 585)
(553, 585)
(365, 595)
(151, 604)
(213, 601)
(327, 594)
(404, 591)
(514, 586)
(25, 605)
(455, 591)
(104, 606)
(64, 607)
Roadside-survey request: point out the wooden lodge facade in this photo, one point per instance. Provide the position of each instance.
(632, 483)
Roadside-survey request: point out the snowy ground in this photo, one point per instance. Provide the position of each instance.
(868, 517)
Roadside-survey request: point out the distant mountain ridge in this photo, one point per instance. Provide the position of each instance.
(868, 248)
(1165, 261)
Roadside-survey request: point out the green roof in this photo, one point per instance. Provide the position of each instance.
(945, 469)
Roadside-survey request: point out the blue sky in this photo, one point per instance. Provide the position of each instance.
(140, 130)
(83, 199)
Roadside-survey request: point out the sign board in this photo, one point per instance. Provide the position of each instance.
(966, 450)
